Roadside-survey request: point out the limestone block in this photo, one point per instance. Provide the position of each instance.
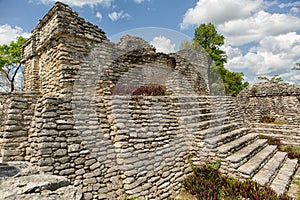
(66, 172)
(73, 148)
(60, 152)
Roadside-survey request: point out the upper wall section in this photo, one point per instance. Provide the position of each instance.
(60, 20)
(58, 43)
(280, 101)
(66, 52)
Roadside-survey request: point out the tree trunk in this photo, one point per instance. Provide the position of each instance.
(12, 81)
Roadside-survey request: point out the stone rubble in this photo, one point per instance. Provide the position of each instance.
(89, 138)
(29, 183)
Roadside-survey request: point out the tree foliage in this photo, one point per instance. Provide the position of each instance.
(297, 66)
(220, 79)
(10, 63)
(206, 36)
(275, 79)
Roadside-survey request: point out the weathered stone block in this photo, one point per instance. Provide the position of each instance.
(73, 148)
(60, 152)
(66, 172)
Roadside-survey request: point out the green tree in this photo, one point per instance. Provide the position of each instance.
(10, 63)
(275, 79)
(297, 66)
(207, 37)
(220, 79)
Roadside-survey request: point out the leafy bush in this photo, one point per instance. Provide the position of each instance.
(292, 151)
(146, 90)
(151, 90)
(207, 182)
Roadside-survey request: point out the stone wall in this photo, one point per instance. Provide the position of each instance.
(287, 134)
(54, 51)
(59, 53)
(16, 115)
(82, 122)
(115, 145)
(278, 100)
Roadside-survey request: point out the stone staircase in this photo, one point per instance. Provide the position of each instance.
(286, 133)
(243, 154)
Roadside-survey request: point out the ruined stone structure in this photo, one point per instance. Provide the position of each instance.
(78, 119)
(279, 101)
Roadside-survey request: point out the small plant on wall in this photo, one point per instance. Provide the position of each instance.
(150, 90)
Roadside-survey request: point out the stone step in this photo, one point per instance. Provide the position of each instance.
(191, 104)
(283, 179)
(292, 139)
(226, 137)
(202, 117)
(199, 126)
(226, 149)
(254, 164)
(215, 131)
(194, 111)
(6, 170)
(213, 122)
(242, 156)
(266, 174)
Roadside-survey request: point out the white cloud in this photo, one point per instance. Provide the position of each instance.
(256, 27)
(114, 16)
(295, 10)
(99, 16)
(219, 11)
(8, 33)
(274, 55)
(163, 44)
(139, 1)
(78, 3)
(290, 4)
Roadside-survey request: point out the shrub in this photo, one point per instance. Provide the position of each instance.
(206, 182)
(292, 151)
(151, 90)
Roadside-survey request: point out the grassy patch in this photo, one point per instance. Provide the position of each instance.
(207, 182)
(297, 182)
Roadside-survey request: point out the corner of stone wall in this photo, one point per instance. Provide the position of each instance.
(54, 52)
(17, 115)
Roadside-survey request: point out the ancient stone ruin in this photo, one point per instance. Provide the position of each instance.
(78, 122)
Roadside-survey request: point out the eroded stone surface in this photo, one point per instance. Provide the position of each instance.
(32, 185)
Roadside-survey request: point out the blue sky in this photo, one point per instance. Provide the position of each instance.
(262, 37)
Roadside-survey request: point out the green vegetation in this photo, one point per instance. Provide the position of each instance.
(292, 151)
(297, 183)
(207, 182)
(275, 79)
(221, 79)
(10, 63)
(297, 66)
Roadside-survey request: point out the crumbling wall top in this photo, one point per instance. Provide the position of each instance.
(271, 89)
(60, 20)
(131, 43)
